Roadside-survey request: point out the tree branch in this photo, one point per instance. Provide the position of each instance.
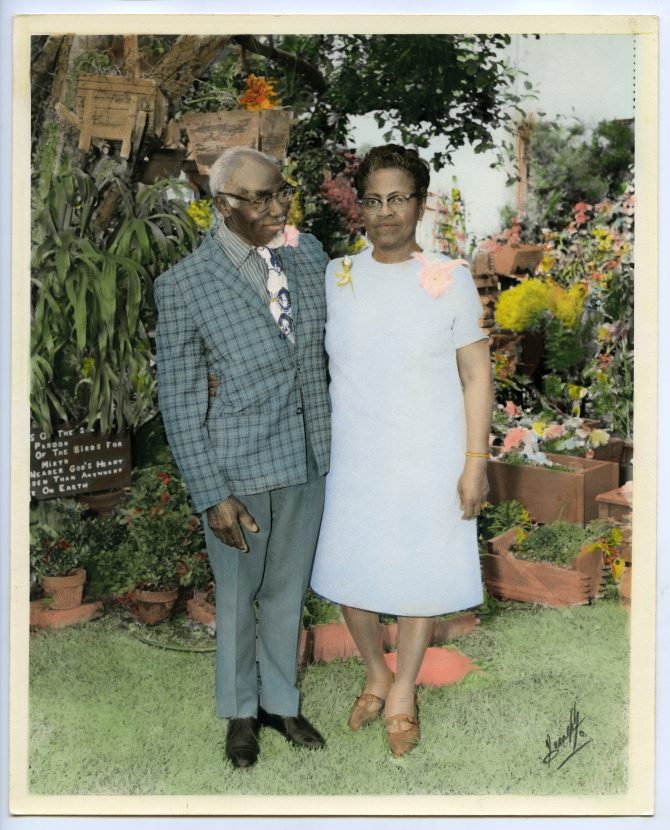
(188, 58)
(305, 68)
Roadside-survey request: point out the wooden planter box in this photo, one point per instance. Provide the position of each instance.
(514, 258)
(542, 583)
(210, 133)
(554, 494)
(616, 506)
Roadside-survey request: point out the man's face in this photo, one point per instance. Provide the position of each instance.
(253, 178)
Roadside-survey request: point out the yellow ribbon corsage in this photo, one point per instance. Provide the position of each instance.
(343, 276)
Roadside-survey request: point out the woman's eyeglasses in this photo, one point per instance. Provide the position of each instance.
(262, 203)
(398, 201)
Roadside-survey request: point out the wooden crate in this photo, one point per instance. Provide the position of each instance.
(210, 133)
(617, 506)
(551, 494)
(115, 108)
(542, 583)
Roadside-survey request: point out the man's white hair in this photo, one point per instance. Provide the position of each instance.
(220, 173)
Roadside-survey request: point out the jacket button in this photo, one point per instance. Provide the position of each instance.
(282, 336)
(298, 411)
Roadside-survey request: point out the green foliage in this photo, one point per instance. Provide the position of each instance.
(565, 348)
(163, 534)
(560, 542)
(610, 391)
(414, 84)
(91, 356)
(495, 519)
(59, 538)
(106, 536)
(317, 611)
(569, 164)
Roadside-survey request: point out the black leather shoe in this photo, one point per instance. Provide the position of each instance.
(242, 741)
(298, 730)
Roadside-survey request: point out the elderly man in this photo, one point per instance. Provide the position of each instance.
(247, 309)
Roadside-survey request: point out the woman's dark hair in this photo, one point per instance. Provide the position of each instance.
(394, 156)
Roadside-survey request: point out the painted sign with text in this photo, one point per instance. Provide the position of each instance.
(77, 461)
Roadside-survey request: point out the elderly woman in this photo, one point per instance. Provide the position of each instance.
(412, 395)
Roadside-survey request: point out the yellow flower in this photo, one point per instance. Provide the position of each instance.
(568, 305)
(358, 245)
(520, 535)
(618, 567)
(295, 212)
(455, 194)
(343, 277)
(521, 307)
(598, 437)
(539, 427)
(200, 212)
(548, 262)
(576, 392)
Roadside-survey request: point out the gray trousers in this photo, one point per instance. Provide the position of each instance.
(273, 575)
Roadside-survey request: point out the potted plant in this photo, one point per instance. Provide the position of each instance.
(58, 551)
(555, 564)
(162, 532)
(507, 254)
(195, 572)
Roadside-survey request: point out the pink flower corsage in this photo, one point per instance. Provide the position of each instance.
(436, 275)
(291, 235)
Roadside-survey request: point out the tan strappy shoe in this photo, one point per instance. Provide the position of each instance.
(402, 740)
(367, 707)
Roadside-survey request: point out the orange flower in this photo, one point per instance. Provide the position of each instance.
(260, 94)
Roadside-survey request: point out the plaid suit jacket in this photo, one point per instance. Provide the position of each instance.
(250, 437)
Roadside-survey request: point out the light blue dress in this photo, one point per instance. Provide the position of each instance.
(392, 537)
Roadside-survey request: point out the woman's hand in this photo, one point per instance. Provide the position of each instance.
(473, 487)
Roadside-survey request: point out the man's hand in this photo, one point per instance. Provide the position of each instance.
(225, 519)
(473, 487)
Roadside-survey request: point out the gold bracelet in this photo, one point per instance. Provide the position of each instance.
(476, 454)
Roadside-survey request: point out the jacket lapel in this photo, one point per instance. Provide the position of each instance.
(228, 274)
(288, 264)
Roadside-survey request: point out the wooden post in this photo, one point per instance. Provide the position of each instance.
(131, 57)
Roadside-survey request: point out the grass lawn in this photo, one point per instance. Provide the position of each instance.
(111, 715)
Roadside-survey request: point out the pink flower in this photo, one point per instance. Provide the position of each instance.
(436, 276)
(581, 206)
(515, 437)
(554, 431)
(291, 235)
(512, 409)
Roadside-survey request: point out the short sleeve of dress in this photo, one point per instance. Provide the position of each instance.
(467, 309)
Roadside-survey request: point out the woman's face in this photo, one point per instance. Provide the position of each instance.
(391, 229)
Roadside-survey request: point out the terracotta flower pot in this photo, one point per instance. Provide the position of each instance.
(199, 609)
(65, 591)
(152, 607)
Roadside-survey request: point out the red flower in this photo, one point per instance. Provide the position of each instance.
(165, 478)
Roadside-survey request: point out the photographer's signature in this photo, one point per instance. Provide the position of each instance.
(571, 741)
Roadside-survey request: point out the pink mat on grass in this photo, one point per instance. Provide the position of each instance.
(440, 667)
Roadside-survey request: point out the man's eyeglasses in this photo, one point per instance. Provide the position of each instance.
(262, 203)
(398, 201)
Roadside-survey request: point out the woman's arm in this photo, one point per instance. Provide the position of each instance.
(474, 368)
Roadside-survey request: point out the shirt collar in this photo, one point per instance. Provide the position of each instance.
(233, 245)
